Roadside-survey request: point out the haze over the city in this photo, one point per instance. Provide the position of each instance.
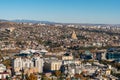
(65, 11)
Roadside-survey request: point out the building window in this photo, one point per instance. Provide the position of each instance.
(25, 64)
(55, 66)
(19, 64)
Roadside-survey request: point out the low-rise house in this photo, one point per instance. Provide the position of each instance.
(3, 72)
(4, 75)
(2, 68)
(67, 56)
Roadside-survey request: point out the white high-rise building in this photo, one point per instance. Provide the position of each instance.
(38, 63)
(27, 63)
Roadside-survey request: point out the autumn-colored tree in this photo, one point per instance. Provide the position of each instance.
(44, 77)
(7, 62)
(57, 73)
(68, 79)
(0, 55)
(32, 77)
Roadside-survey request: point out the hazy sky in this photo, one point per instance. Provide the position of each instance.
(75, 11)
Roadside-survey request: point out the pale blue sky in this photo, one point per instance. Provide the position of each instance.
(68, 11)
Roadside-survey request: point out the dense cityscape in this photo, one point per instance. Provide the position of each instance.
(59, 39)
(57, 51)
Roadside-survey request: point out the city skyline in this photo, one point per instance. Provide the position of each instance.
(65, 11)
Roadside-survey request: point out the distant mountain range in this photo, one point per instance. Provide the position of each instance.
(26, 21)
(3, 20)
(32, 21)
(49, 22)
